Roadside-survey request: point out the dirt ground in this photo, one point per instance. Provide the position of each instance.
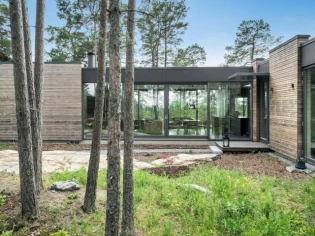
(253, 164)
(78, 147)
(52, 204)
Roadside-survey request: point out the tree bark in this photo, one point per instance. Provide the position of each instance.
(127, 227)
(91, 185)
(29, 200)
(113, 156)
(165, 52)
(36, 146)
(39, 79)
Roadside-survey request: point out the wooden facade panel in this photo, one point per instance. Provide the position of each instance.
(286, 103)
(62, 108)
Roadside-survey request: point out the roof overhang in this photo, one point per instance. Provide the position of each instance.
(248, 76)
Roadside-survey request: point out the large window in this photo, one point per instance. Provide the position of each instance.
(187, 109)
(310, 113)
(149, 110)
(240, 110)
(219, 110)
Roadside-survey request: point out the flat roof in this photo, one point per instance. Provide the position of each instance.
(172, 75)
(247, 75)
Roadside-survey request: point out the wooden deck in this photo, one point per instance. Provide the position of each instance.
(243, 146)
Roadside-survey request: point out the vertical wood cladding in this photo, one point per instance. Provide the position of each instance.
(286, 103)
(62, 108)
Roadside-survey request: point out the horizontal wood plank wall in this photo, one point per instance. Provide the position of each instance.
(62, 108)
(286, 104)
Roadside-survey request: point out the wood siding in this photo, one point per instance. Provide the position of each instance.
(62, 108)
(286, 104)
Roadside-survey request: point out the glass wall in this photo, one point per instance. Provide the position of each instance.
(310, 113)
(229, 104)
(149, 110)
(240, 110)
(187, 110)
(219, 110)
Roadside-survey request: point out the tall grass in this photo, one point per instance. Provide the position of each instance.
(235, 205)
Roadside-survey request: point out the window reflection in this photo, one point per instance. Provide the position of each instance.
(188, 110)
(149, 110)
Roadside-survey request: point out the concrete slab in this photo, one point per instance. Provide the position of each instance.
(215, 149)
(162, 142)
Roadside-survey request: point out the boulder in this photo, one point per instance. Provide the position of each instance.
(69, 185)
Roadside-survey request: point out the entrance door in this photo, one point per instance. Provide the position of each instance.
(264, 111)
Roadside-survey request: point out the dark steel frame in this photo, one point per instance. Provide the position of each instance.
(262, 98)
(175, 76)
(305, 128)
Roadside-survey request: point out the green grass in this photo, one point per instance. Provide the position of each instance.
(3, 146)
(2, 200)
(79, 175)
(236, 204)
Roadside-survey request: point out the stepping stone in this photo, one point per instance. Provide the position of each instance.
(215, 149)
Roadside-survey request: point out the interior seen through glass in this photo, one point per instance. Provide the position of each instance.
(229, 104)
(187, 110)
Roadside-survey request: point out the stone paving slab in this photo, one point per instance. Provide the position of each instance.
(74, 160)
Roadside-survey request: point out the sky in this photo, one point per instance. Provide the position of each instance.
(213, 23)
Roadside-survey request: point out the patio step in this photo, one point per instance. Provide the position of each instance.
(215, 149)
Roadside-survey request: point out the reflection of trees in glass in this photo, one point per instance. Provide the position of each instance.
(188, 102)
(241, 106)
(149, 102)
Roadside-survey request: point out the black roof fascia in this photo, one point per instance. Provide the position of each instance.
(171, 75)
(247, 76)
(290, 40)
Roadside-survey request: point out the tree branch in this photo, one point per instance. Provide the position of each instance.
(142, 12)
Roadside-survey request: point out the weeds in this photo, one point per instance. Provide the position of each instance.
(2, 200)
(190, 151)
(3, 146)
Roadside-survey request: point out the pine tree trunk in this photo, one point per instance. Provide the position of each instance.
(32, 100)
(39, 80)
(113, 156)
(29, 200)
(127, 227)
(90, 192)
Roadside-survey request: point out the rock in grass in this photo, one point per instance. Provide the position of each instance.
(195, 187)
(69, 185)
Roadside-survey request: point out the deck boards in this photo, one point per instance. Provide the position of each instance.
(243, 146)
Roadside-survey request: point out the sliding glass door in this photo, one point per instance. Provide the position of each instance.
(187, 110)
